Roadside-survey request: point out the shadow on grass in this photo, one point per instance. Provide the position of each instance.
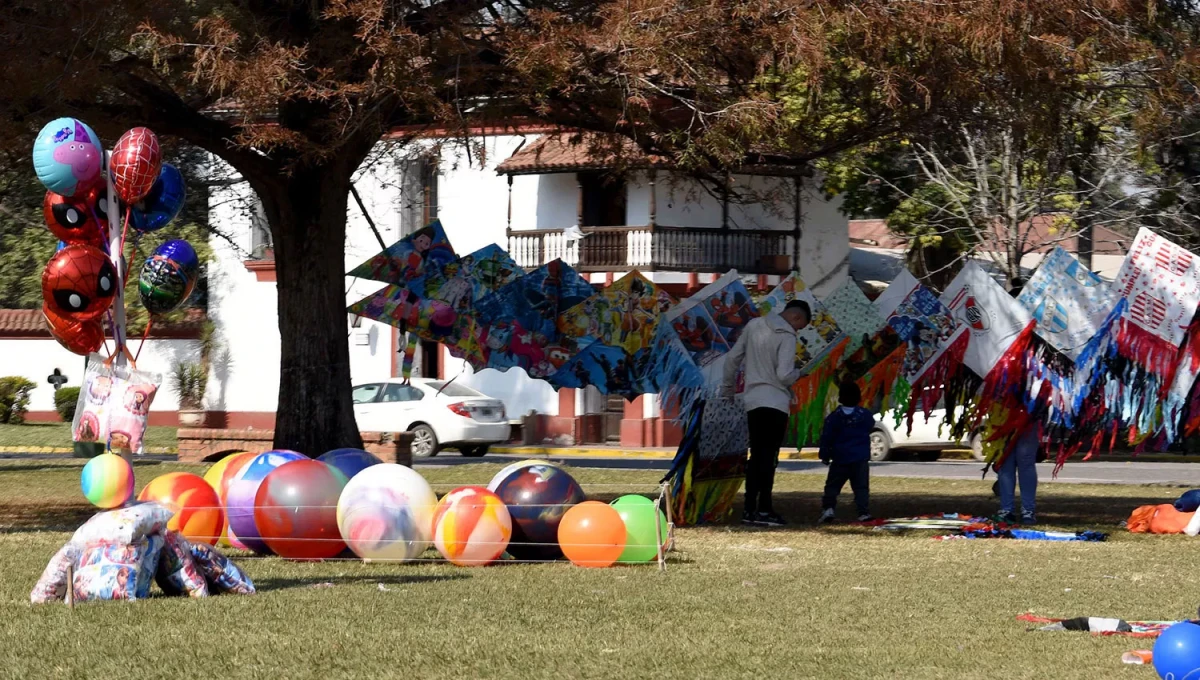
(1075, 512)
(21, 519)
(267, 584)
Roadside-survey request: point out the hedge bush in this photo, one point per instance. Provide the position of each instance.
(14, 399)
(65, 400)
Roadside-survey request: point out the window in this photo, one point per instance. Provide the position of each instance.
(418, 194)
(260, 232)
(365, 394)
(397, 392)
(453, 389)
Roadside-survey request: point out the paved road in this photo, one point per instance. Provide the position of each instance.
(1182, 474)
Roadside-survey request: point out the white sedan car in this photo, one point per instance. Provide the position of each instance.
(440, 414)
(927, 438)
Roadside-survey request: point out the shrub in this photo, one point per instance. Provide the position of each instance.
(14, 399)
(65, 400)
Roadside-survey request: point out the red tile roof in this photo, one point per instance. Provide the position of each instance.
(582, 151)
(29, 323)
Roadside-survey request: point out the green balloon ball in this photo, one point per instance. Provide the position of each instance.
(642, 539)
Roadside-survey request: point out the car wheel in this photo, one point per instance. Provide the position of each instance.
(424, 443)
(474, 451)
(881, 446)
(977, 446)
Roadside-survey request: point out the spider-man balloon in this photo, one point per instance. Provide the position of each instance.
(80, 337)
(135, 164)
(79, 283)
(77, 220)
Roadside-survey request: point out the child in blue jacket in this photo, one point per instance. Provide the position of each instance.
(846, 449)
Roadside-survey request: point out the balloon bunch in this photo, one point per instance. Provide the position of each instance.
(91, 201)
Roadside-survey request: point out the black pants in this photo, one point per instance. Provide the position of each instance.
(767, 428)
(859, 476)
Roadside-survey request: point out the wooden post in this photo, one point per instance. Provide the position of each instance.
(653, 200)
(71, 586)
(510, 203)
(579, 200)
(658, 532)
(666, 492)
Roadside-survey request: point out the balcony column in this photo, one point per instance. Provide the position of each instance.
(510, 182)
(653, 200)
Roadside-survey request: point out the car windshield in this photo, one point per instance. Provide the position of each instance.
(453, 389)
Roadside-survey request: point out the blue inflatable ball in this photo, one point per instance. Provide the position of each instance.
(67, 157)
(182, 253)
(1177, 652)
(1189, 501)
(163, 203)
(349, 462)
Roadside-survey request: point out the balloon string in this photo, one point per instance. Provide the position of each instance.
(145, 334)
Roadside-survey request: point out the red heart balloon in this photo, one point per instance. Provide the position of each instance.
(135, 164)
(80, 337)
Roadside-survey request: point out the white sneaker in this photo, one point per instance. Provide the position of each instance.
(826, 517)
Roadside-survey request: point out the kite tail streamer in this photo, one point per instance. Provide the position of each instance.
(935, 378)
(1177, 405)
(410, 350)
(883, 385)
(810, 398)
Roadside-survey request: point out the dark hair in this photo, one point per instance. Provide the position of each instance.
(849, 394)
(424, 231)
(801, 305)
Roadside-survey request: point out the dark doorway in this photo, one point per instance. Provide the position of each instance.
(603, 196)
(614, 413)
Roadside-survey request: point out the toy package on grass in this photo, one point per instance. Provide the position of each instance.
(52, 585)
(222, 575)
(118, 572)
(177, 570)
(123, 525)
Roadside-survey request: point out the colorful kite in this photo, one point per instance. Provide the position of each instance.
(410, 261)
(709, 322)
(992, 317)
(857, 316)
(614, 331)
(1069, 302)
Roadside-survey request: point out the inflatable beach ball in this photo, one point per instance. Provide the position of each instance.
(107, 481)
(67, 157)
(387, 514)
(199, 515)
(471, 526)
(239, 501)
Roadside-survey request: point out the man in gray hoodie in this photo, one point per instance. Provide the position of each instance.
(767, 349)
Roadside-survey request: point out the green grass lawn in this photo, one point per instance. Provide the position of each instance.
(158, 439)
(796, 603)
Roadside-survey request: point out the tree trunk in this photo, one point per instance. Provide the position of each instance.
(307, 214)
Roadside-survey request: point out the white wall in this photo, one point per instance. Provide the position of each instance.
(36, 359)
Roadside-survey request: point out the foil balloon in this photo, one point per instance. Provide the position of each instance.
(78, 337)
(67, 157)
(77, 220)
(79, 283)
(163, 203)
(135, 164)
(168, 277)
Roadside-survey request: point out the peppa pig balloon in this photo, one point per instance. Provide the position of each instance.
(67, 157)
